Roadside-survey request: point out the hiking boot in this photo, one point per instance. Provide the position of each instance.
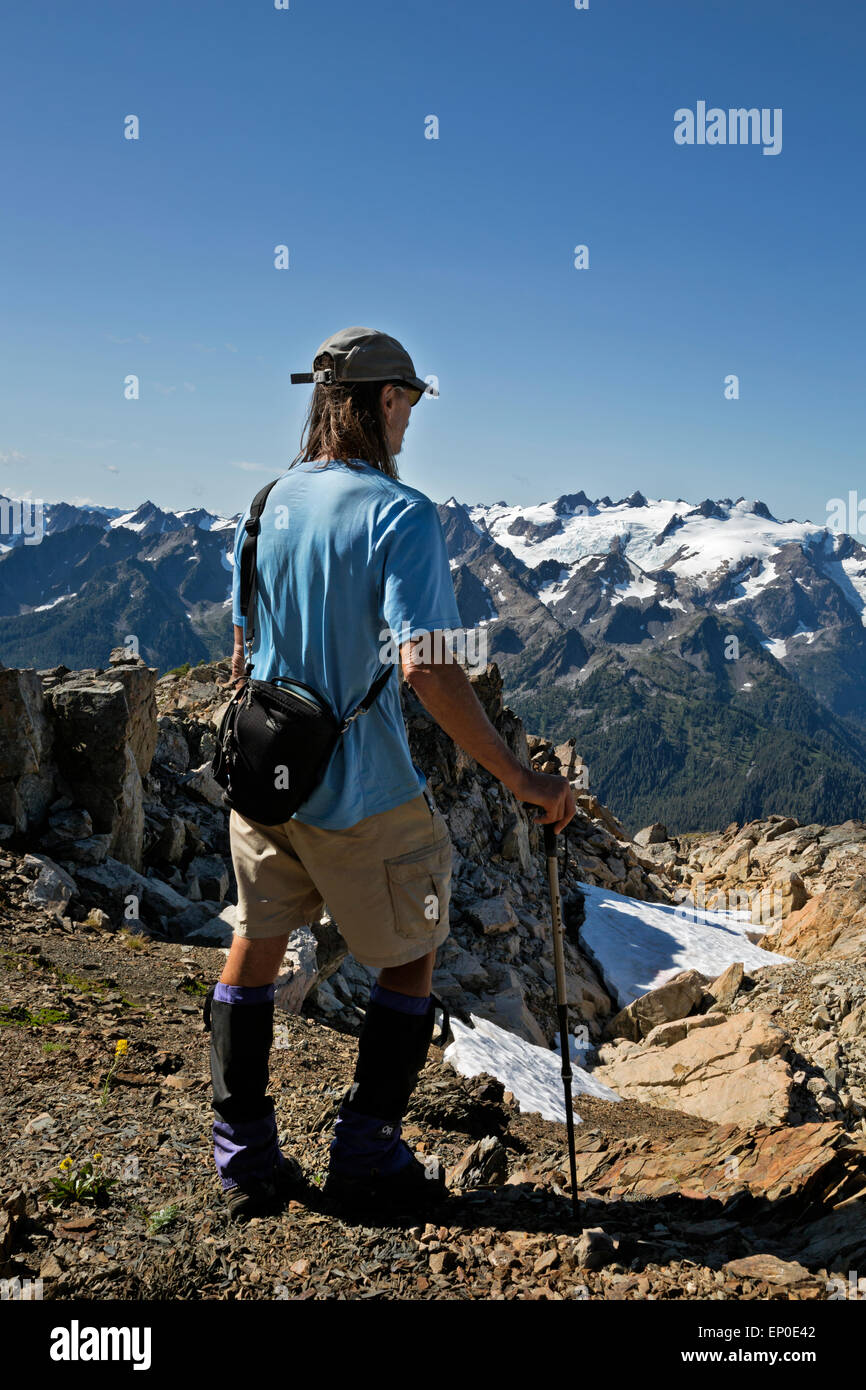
(266, 1196)
(416, 1184)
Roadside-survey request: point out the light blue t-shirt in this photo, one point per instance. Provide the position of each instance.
(344, 554)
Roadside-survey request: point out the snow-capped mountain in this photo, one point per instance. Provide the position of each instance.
(637, 572)
(99, 575)
(705, 657)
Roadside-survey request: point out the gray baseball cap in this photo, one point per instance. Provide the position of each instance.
(363, 354)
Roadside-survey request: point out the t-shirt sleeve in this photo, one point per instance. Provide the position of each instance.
(236, 574)
(418, 592)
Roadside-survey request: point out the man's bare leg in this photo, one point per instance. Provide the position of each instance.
(415, 978)
(254, 963)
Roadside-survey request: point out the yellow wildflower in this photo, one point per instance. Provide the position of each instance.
(65, 1164)
(97, 1157)
(120, 1047)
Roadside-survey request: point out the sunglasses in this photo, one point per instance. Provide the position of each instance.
(413, 392)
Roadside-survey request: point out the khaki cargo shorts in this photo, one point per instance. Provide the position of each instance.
(386, 881)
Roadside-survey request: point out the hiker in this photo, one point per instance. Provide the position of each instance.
(346, 554)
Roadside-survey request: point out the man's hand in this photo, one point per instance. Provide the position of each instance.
(553, 794)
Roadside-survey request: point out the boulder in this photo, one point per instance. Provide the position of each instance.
(731, 1073)
(515, 843)
(96, 761)
(299, 972)
(666, 1034)
(674, 999)
(493, 915)
(510, 1011)
(202, 784)
(139, 683)
(212, 876)
(171, 748)
(724, 989)
(655, 834)
(53, 886)
(482, 1165)
(27, 772)
(830, 926)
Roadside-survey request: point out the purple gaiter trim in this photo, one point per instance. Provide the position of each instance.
(361, 1142)
(243, 994)
(245, 1150)
(403, 1003)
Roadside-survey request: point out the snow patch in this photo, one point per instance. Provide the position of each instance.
(638, 946)
(531, 1073)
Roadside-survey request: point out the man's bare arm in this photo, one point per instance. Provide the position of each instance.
(445, 692)
(238, 656)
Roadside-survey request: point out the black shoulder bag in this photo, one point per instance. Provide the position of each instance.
(276, 737)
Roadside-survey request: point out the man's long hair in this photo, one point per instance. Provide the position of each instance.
(345, 422)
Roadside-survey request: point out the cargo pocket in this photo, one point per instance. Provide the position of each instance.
(420, 888)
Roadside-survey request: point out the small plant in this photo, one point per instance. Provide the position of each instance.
(121, 1047)
(195, 987)
(133, 941)
(86, 1183)
(50, 1047)
(159, 1220)
(17, 1016)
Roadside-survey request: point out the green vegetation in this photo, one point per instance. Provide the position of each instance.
(195, 987)
(85, 1183)
(706, 754)
(164, 1217)
(17, 1016)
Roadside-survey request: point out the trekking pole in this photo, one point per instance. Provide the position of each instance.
(551, 853)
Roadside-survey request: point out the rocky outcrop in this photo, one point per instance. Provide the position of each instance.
(75, 749)
(802, 887)
(27, 772)
(672, 1000)
(734, 1072)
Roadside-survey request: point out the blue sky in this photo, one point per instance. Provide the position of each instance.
(306, 127)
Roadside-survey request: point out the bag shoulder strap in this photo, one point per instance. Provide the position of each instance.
(370, 698)
(249, 577)
(249, 592)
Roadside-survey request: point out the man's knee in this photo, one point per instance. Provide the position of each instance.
(415, 977)
(254, 962)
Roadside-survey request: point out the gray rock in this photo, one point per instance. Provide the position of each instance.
(483, 1164)
(594, 1249)
(493, 915)
(172, 748)
(201, 783)
(93, 850)
(655, 834)
(212, 875)
(515, 843)
(53, 887)
(510, 1010)
(27, 771)
(299, 971)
